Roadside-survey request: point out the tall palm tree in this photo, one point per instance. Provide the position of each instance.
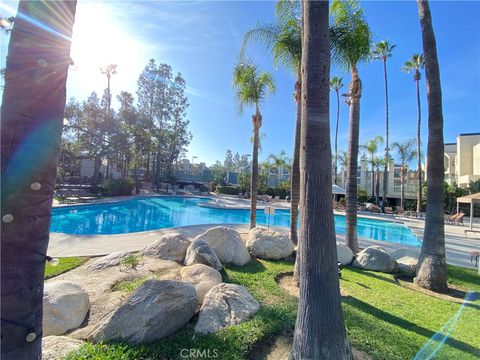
(371, 147)
(283, 40)
(416, 63)
(319, 305)
(431, 270)
(383, 51)
(280, 161)
(350, 39)
(336, 84)
(252, 87)
(343, 160)
(32, 115)
(406, 153)
(378, 163)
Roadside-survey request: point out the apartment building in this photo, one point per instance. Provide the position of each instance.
(461, 160)
(394, 185)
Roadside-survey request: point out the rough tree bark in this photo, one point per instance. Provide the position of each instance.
(385, 169)
(419, 154)
(257, 123)
(355, 92)
(320, 330)
(295, 173)
(31, 120)
(431, 270)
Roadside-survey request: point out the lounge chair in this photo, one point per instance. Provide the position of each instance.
(276, 199)
(375, 209)
(411, 214)
(450, 219)
(388, 210)
(459, 219)
(399, 210)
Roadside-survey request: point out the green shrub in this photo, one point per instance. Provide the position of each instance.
(283, 190)
(60, 175)
(130, 262)
(227, 190)
(362, 195)
(117, 187)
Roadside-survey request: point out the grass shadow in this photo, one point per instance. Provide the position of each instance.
(407, 325)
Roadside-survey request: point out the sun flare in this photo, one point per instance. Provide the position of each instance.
(99, 39)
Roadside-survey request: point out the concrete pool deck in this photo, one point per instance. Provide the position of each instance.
(458, 247)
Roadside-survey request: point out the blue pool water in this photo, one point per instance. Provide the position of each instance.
(150, 213)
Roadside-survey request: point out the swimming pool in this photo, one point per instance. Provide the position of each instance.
(150, 213)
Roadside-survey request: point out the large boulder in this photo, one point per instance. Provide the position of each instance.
(104, 262)
(375, 258)
(168, 247)
(227, 244)
(268, 244)
(57, 347)
(65, 305)
(407, 265)
(201, 276)
(224, 305)
(344, 254)
(199, 252)
(155, 310)
(411, 252)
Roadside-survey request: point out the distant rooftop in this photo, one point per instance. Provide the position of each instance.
(469, 134)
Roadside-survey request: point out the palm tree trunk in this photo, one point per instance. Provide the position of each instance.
(336, 135)
(320, 330)
(372, 178)
(31, 121)
(351, 186)
(295, 172)
(419, 156)
(257, 121)
(431, 270)
(402, 184)
(385, 171)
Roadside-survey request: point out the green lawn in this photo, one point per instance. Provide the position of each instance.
(383, 318)
(64, 265)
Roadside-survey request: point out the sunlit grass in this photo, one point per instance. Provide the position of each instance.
(383, 318)
(64, 265)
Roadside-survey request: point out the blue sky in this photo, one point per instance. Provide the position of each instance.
(202, 39)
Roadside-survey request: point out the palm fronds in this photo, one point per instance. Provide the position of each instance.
(350, 35)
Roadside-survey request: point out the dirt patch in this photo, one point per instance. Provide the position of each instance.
(286, 282)
(455, 293)
(279, 349)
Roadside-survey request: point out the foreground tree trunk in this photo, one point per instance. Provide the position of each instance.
(257, 123)
(419, 155)
(31, 120)
(355, 92)
(431, 270)
(320, 329)
(295, 172)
